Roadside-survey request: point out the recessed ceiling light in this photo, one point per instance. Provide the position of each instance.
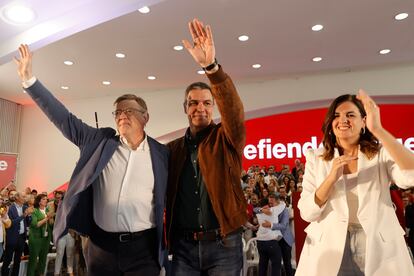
(151, 77)
(178, 47)
(144, 9)
(65, 87)
(385, 51)
(106, 82)
(243, 38)
(120, 55)
(317, 59)
(401, 16)
(256, 66)
(201, 72)
(317, 28)
(68, 62)
(17, 14)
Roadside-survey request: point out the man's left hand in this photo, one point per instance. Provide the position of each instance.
(202, 50)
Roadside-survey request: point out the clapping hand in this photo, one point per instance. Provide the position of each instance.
(373, 120)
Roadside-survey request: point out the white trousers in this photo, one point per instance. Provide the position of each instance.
(353, 260)
(67, 242)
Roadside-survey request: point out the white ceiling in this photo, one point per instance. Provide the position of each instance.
(90, 32)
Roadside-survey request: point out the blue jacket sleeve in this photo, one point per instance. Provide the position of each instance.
(71, 127)
(283, 221)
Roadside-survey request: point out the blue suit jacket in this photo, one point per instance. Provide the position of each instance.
(13, 231)
(96, 149)
(284, 227)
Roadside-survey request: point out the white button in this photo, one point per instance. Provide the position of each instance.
(195, 176)
(196, 192)
(195, 161)
(198, 209)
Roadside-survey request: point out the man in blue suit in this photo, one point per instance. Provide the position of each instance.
(19, 215)
(116, 194)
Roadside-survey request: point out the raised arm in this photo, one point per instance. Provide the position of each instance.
(224, 92)
(400, 154)
(71, 127)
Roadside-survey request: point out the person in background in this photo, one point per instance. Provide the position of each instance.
(40, 235)
(16, 234)
(5, 223)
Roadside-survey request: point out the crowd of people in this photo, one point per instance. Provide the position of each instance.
(27, 219)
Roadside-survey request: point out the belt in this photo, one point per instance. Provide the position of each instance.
(124, 236)
(209, 235)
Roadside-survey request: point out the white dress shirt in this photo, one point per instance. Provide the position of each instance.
(124, 197)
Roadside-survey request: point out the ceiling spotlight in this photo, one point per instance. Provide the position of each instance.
(317, 59)
(201, 72)
(120, 55)
(106, 82)
(151, 77)
(256, 66)
(65, 87)
(178, 47)
(68, 62)
(243, 38)
(317, 28)
(385, 51)
(401, 16)
(144, 9)
(17, 14)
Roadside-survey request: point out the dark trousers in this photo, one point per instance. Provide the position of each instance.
(107, 255)
(410, 240)
(286, 256)
(221, 257)
(269, 250)
(16, 248)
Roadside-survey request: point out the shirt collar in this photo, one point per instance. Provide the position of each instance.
(199, 135)
(143, 146)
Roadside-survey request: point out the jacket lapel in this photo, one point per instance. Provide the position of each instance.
(367, 174)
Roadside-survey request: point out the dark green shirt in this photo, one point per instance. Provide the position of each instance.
(193, 207)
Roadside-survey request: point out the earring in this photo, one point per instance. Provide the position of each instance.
(363, 131)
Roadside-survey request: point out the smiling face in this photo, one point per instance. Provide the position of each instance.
(347, 123)
(199, 109)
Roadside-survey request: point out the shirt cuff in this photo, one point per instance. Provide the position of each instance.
(29, 82)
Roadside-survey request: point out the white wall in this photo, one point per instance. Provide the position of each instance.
(47, 158)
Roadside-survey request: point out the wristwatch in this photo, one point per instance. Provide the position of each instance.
(211, 66)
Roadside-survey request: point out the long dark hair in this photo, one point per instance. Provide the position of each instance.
(369, 144)
(38, 199)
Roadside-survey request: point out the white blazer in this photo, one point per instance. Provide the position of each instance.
(386, 250)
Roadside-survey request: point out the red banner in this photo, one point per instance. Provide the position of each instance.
(282, 138)
(8, 165)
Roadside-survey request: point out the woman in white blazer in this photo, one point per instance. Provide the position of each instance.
(353, 228)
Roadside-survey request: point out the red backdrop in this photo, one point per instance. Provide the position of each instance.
(8, 164)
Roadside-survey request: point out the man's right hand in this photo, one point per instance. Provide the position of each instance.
(24, 64)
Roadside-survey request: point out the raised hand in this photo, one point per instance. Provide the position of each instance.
(24, 64)
(202, 49)
(373, 120)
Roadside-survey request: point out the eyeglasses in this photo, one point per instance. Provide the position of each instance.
(127, 111)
